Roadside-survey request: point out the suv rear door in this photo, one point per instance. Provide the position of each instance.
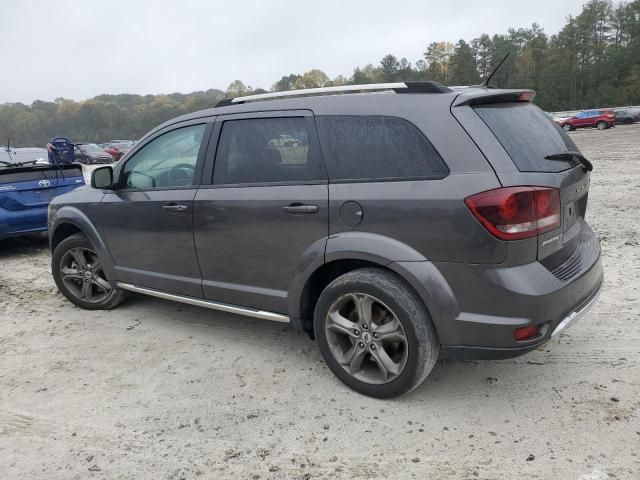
(584, 119)
(265, 208)
(516, 137)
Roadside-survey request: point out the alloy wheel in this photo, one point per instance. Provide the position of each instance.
(366, 338)
(82, 275)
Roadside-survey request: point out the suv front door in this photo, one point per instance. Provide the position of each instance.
(265, 210)
(148, 219)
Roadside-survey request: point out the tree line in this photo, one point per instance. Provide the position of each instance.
(593, 61)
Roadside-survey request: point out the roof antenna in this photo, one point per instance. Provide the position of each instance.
(486, 82)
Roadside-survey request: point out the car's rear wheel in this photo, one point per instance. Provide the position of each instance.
(566, 127)
(78, 273)
(602, 125)
(374, 333)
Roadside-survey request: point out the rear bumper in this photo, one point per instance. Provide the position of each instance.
(22, 222)
(477, 308)
(462, 352)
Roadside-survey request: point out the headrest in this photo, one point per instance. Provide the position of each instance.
(271, 156)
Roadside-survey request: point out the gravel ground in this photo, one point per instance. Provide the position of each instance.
(162, 390)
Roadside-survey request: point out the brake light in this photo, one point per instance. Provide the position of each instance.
(514, 213)
(526, 96)
(525, 333)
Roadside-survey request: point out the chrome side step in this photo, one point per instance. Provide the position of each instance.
(223, 307)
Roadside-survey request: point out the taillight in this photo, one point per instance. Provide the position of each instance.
(514, 213)
(526, 96)
(526, 333)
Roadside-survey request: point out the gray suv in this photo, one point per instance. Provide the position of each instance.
(416, 223)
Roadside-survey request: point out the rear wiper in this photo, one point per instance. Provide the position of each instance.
(17, 164)
(588, 166)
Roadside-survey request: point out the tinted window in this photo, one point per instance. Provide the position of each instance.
(366, 147)
(167, 161)
(528, 136)
(263, 150)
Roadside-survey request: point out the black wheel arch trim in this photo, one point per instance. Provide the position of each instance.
(69, 215)
(421, 274)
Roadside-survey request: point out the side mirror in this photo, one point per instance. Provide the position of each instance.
(102, 178)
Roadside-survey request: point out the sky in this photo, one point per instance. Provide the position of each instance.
(81, 48)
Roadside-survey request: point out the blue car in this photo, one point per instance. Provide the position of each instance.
(27, 185)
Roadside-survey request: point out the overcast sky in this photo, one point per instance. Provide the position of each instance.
(78, 49)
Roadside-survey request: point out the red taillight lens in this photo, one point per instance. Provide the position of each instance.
(525, 333)
(526, 96)
(514, 213)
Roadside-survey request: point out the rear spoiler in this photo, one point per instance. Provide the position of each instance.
(480, 96)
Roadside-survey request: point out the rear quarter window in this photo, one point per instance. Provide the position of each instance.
(528, 136)
(377, 148)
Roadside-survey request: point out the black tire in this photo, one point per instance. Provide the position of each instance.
(601, 125)
(105, 298)
(566, 127)
(419, 348)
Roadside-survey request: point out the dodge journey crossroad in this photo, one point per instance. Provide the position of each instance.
(394, 223)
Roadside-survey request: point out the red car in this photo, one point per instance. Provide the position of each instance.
(118, 149)
(601, 119)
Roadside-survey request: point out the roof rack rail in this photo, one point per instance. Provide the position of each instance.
(398, 87)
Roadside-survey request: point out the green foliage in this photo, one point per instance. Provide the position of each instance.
(100, 119)
(594, 61)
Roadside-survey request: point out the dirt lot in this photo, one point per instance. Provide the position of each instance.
(161, 390)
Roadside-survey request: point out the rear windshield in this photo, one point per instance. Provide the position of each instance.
(528, 135)
(29, 174)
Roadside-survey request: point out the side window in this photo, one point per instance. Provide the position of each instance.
(367, 147)
(167, 161)
(263, 150)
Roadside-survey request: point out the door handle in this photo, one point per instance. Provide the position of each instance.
(300, 208)
(175, 207)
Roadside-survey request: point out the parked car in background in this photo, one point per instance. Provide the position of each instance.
(118, 148)
(423, 223)
(27, 185)
(626, 117)
(90, 153)
(600, 119)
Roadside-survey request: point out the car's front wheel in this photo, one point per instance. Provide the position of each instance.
(79, 275)
(566, 127)
(374, 333)
(602, 125)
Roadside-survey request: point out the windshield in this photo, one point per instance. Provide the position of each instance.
(121, 146)
(93, 148)
(528, 136)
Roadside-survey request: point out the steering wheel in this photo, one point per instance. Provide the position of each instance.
(181, 175)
